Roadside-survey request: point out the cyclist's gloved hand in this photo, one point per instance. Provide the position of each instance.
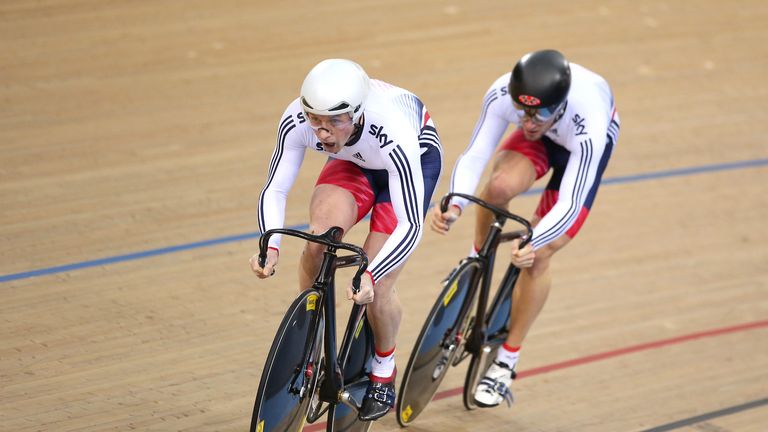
(269, 267)
(524, 257)
(441, 222)
(365, 295)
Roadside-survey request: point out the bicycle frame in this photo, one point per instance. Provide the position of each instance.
(485, 261)
(463, 321)
(332, 387)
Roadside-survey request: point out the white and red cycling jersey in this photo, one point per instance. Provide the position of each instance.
(397, 143)
(577, 147)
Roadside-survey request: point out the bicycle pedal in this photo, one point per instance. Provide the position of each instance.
(350, 400)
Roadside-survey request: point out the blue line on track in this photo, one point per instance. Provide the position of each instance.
(252, 235)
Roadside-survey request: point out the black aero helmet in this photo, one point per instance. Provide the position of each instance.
(541, 80)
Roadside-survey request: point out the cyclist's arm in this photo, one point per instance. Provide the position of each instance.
(406, 189)
(283, 169)
(488, 131)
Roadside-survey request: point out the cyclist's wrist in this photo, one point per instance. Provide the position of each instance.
(459, 203)
(274, 249)
(373, 281)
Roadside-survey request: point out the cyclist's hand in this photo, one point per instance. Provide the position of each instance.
(269, 267)
(524, 257)
(441, 222)
(365, 295)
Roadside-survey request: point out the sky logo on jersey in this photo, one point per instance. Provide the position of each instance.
(376, 131)
(529, 100)
(358, 156)
(578, 123)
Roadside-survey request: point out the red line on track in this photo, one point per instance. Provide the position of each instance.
(602, 356)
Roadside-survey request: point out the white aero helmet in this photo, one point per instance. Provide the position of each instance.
(335, 86)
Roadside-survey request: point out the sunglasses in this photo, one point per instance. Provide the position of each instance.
(335, 122)
(539, 115)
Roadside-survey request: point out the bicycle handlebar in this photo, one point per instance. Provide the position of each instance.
(499, 212)
(331, 238)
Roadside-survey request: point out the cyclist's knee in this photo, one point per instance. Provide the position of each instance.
(384, 290)
(512, 175)
(332, 206)
(539, 267)
(503, 186)
(496, 192)
(313, 250)
(544, 256)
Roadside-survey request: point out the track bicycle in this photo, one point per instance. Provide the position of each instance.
(305, 377)
(462, 323)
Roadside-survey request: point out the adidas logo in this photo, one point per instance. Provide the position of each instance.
(358, 156)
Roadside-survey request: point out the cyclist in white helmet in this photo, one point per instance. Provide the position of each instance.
(384, 157)
(566, 120)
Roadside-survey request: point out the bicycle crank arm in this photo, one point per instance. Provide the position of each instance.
(349, 399)
(475, 343)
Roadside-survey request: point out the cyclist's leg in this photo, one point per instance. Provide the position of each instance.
(534, 283)
(528, 299)
(384, 315)
(385, 312)
(531, 291)
(517, 164)
(342, 197)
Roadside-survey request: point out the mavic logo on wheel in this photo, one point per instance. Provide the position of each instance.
(358, 329)
(406, 414)
(311, 302)
(260, 427)
(451, 292)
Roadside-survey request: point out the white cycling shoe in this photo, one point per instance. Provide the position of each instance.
(494, 387)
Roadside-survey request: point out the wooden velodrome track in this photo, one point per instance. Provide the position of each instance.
(135, 137)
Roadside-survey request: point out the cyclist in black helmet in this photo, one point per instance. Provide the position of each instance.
(566, 121)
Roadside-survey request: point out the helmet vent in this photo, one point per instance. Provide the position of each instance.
(306, 104)
(341, 106)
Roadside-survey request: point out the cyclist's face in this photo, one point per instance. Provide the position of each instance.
(332, 131)
(535, 122)
(533, 129)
